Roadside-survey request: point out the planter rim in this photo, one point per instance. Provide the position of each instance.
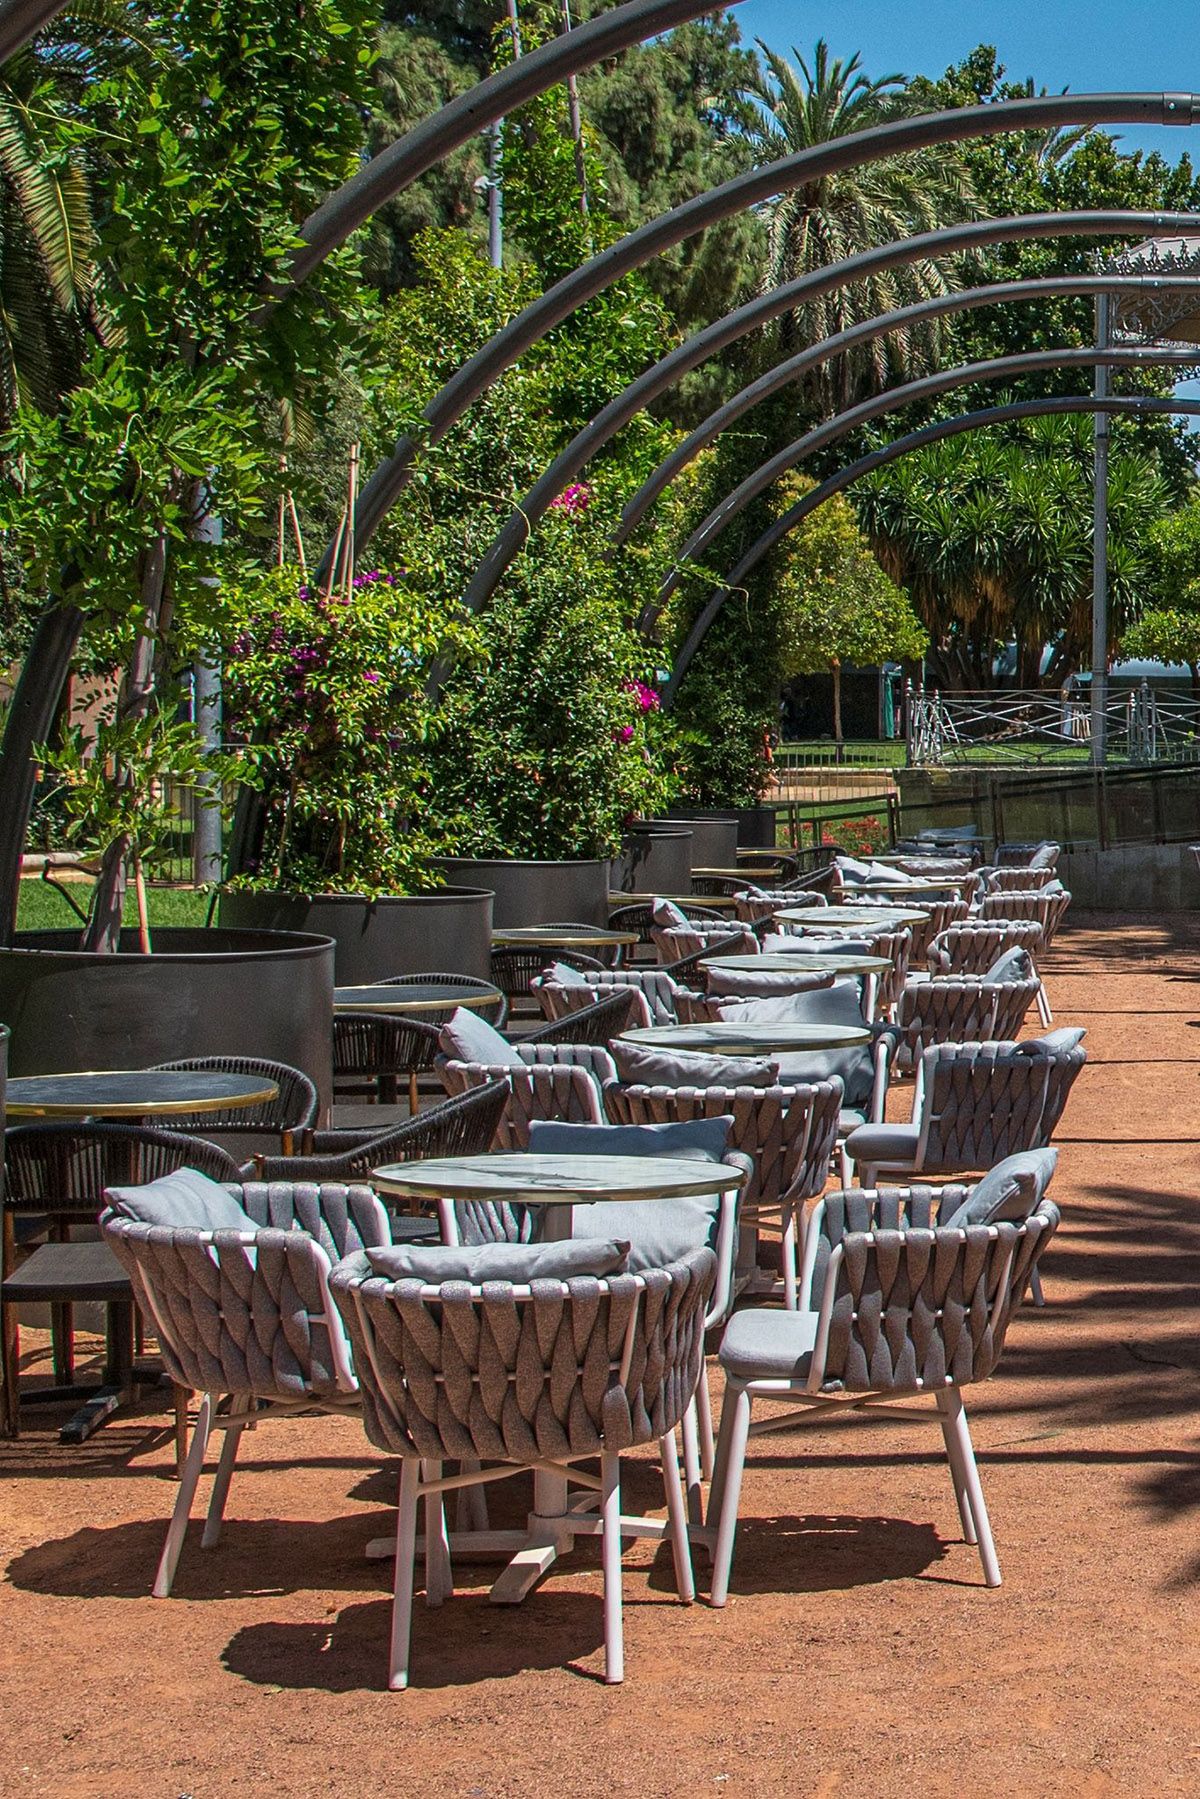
(435, 896)
(520, 862)
(276, 944)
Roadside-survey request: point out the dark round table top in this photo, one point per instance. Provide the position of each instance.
(133, 1093)
(417, 996)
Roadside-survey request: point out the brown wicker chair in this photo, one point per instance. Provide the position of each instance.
(464, 1126)
(292, 1110)
(372, 1053)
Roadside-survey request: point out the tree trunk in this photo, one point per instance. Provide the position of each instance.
(30, 721)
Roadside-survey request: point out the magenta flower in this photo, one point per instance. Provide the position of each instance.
(371, 676)
(573, 500)
(624, 735)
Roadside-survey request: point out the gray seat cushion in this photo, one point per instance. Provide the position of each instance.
(764, 1344)
(638, 1064)
(519, 1263)
(1011, 1190)
(693, 1139)
(465, 1037)
(893, 1145)
(186, 1198)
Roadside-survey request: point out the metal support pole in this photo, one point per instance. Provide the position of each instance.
(1101, 431)
(206, 691)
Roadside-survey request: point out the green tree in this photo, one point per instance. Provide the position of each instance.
(1168, 630)
(837, 605)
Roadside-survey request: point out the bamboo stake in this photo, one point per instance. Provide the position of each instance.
(143, 913)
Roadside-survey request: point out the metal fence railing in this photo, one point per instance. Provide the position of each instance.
(1022, 727)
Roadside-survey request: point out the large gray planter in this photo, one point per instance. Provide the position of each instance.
(201, 993)
(448, 931)
(757, 827)
(537, 892)
(656, 857)
(714, 837)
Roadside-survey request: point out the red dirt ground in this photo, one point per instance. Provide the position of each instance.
(859, 1652)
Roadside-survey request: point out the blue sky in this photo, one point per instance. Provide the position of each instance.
(1140, 45)
(1101, 47)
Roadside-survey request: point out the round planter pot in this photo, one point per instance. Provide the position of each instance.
(656, 858)
(201, 993)
(757, 827)
(714, 837)
(536, 892)
(446, 932)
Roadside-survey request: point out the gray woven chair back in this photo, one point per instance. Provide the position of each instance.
(1017, 880)
(464, 1373)
(1045, 909)
(789, 1133)
(561, 1002)
(919, 1309)
(974, 947)
(238, 1318)
(293, 1108)
(566, 1084)
(889, 983)
(62, 1168)
(752, 908)
(597, 1023)
(985, 1101)
(1027, 855)
(675, 943)
(947, 1009)
(1013, 1000)
(942, 913)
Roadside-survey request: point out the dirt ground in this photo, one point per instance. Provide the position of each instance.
(859, 1652)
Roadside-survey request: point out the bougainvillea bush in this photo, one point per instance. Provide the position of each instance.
(327, 706)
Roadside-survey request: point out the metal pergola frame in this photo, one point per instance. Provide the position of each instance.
(936, 432)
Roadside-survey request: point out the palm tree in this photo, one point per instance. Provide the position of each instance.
(799, 108)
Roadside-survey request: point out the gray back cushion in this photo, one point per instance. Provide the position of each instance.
(1053, 1043)
(667, 915)
(1044, 856)
(519, 1263)
(1011, 1190)
(183, 1198)
(753, 983)
(465, 1037)
(695, 1139)
(839, 1004)
(639, 1065)
(1013, 965)
(825, 946)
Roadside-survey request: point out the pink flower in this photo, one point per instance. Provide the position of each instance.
(572, 500)
(371, 675)
(624, 735)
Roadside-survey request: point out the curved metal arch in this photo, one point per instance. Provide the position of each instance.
(736, 195)
(903, 446)
(22, 19)
(794, 367)
(892, 399)
(686, 356)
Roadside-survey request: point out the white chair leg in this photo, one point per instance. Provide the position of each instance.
(177, 1529)
(681, 1549)
(729, 1473)
(439, 1585)
(614, 1641)
(220, 1492)
(847, 1166)
(789, 1258)
(708, 1458)
(402, 1581)
(954, 1457)
(1043, 1005)
(717, 1487)
(956, 1413)
(1035, 1287)
(691, 1463)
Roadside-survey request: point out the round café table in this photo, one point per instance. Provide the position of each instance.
(414, 997)
(912, 884)
(788, 962)
(133, 1093)
(557, 1184)
(548, 936)
(826, 918)
(70, 1269)
(712, 902)
(748, 1038)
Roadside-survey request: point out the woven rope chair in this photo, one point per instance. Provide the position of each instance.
(56, 1174)
(959, 1009)
(713, 885)
(372, 1053)
(977, 1103)
(495, 1010)
(292, 1110)
(245, 1319)
(1044, 909)
(560, 1002)
(684, 967)
(1017, 880)
(677, 943)
(596, 1024)
(516, 966)
(974, 947)
(1028, 855)
(464, 1126)
(540, 1377)
(942, 914)
(894, 1305)
(557, 1080)
(788, 1133)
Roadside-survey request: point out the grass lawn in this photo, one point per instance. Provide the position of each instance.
(42, 909)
